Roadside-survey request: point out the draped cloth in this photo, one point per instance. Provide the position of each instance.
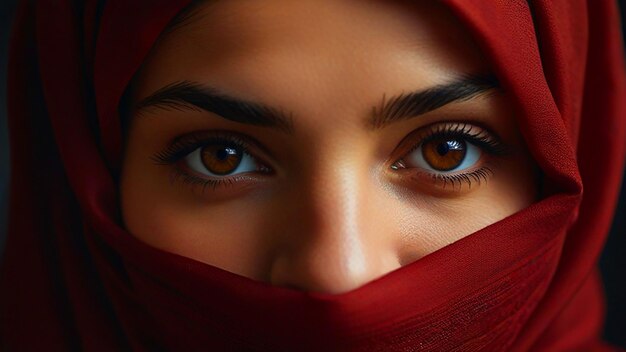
(73, 279)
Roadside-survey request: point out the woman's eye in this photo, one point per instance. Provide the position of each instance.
(443, 154)
(217, 160)
(451, 154)
(214, 158)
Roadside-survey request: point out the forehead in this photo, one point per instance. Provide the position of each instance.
(338, 26)
(253, 46)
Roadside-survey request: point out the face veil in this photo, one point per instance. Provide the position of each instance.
(528, 281)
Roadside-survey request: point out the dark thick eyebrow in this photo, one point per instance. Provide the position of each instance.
(186, 95)
(409, 105)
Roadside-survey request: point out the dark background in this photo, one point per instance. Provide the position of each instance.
(612, 263)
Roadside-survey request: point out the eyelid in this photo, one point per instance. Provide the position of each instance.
(481, 136)
(244, 182)
(181, 146)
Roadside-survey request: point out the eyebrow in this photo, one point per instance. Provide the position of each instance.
(187, 95)
(410, 105)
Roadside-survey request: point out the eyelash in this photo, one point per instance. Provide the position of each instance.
(483, 138)
(182, 146)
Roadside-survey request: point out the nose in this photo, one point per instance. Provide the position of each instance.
(335, 238)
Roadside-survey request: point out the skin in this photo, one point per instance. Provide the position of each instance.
(332, 215)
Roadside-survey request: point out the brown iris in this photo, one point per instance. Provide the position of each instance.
(221, 159)
(444, 153)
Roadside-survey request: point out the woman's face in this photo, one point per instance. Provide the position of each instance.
(318, 144)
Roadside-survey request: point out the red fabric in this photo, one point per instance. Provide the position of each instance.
(72, 278)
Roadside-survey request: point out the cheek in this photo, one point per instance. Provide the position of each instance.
(432, 223)
(229, 237)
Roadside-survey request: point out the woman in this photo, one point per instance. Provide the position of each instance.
(311, 175)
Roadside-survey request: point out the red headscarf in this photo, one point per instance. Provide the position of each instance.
(72, 278)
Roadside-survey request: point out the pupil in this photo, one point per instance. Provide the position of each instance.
(446, 146)
(224, 153)
(443, 148)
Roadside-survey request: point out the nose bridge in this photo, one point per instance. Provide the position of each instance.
(332, 245)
